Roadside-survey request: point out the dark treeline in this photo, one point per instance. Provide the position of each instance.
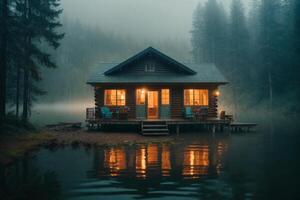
(26, 25)
(257, 51)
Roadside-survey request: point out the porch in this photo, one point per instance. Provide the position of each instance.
(172, 125)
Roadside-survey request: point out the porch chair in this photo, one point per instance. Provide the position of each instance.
(123, 113)
(105, 113)
(202, 113)
(225, 117)
(188, 113)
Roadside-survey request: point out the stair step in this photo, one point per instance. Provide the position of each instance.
(158, 130)
(155, 128)
(156, 134)
(154, 122)
(154, 125)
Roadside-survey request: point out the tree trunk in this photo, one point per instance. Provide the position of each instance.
(3, 59)
(18, 92)
(26, 65)
(270, 89)
(25, 95)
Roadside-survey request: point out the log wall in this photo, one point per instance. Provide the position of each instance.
(176, 98)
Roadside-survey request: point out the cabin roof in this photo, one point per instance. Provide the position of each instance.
(192, 73)
(149, 50)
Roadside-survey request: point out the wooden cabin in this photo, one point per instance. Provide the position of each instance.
(154, 86)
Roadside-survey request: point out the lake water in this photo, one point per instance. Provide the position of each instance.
(261, 165)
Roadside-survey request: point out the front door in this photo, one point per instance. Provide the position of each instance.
(152, 106)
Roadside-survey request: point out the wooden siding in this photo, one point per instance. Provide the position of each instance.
(176, 97)
(213, 104)
(139, 67)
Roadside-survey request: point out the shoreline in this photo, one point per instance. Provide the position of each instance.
(15, 146)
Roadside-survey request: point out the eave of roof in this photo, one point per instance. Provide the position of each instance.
(205, 74)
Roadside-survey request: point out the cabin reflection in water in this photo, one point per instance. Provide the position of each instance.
(114, 160)
(140, 162)
(189, 161)
(196, 161)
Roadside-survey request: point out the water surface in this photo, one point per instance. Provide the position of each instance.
(262, 165)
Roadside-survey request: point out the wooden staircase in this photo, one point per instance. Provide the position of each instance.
(154, 128)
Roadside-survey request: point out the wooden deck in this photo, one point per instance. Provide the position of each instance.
(242, 127)
(212, 125)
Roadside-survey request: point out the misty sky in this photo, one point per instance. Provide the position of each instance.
(149, 19)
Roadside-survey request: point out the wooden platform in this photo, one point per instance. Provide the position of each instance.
(212, 125)
(242, 127)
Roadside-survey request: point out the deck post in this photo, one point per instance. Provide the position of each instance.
(213, 128)
(177, 129)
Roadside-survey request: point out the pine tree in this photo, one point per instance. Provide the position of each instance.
(214, 32)
(296, 49)
(237, 50)
(238, 36)
(197, 35)
(269, 43)
(209, 33)
(3, 57)
(39, 23)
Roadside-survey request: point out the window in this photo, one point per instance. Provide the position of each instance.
(165, 96)
(114, 97)
(195, 97)
(140, 96)
(150, 68)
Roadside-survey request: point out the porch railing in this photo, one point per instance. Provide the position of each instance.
(90, 114)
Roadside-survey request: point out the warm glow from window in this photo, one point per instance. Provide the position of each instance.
(195, 97)
(195, 161)
(152, 152)
(140, 96)
(165, 161)
(140, 162)
(165, 96)
(115, 160)
(114, 97)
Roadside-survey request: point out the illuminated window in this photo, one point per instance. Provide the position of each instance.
(195, 97)
(140, 96)
(165, 96)
(114, 97)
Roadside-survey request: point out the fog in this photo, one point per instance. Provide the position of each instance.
(110, 31)
(150, 19)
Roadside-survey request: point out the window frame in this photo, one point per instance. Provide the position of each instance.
(117, 94)
(200, 94)
(137, 99)
(165, 101)
(150, 68)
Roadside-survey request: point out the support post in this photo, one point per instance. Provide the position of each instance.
(177, 129)
(213, 128)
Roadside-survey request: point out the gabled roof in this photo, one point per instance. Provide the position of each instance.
(193, 73)
(150, 50)
(204, 73)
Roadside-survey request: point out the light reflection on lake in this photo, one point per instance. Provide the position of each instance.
(157, 160)
(153, 170)
(262, 165)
